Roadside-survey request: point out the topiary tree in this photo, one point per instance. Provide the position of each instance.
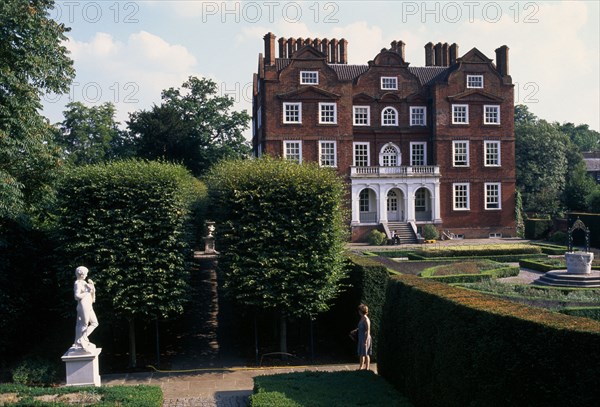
(130, 223)
(281, 235)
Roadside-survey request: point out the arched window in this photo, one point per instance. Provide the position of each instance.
(363, 200)
(389, 117)
(389, 156)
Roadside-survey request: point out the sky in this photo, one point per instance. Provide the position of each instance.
(127, 52)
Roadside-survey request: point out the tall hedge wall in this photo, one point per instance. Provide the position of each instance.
(443, 346)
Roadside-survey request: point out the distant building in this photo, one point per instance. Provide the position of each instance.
(416, 145)
(592, 164)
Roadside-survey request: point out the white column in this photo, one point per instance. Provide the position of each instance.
(410, 204)
(436, 215)
(382, 204)
(355, 204)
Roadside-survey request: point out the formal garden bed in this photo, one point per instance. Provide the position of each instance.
(325, 389)
(126, 396)
(554, 298)
(470, 271)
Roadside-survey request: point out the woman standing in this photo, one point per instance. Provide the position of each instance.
(364, 337)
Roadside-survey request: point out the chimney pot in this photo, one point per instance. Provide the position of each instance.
(445, 54)
(282, 47)
(502, 60)
(343, 51)
(334, 53)
(438, 54)
(429, 57)
(453, 53)
(269, 48)
(400, 49)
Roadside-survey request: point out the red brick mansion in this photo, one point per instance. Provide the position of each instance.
(416, 145)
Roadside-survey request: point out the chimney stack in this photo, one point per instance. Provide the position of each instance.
(334, 52)
(429, 57)
(343, 51)
(282, 47)
(453, 53)
(445, 54)
(269, 49)
(438, 54)
(502, 60)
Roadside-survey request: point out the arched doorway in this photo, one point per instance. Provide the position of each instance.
(395, 205)
(367, 206)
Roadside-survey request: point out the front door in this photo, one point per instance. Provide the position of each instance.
(394, 209)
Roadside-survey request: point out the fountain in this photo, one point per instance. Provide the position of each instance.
(579, 271)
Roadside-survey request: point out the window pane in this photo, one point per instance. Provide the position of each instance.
(389, 117)
(461, 153)
(292, 113)
(309, 77)
(292, 151)
(361, 155)
(327, 154)
(327, 113)
(474, 81)
(417, 116)
(361, 115)
(460, 114)
(461, 196)
(492, 196)
(492, 115)
(417, 154)
(492, 153)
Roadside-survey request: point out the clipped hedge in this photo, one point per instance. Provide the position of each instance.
(443, 346)
(369, 280)
(479, 250)
(586, 312)
(539, 266)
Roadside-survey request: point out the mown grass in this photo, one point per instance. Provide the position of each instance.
(325, 389)
(106, 396)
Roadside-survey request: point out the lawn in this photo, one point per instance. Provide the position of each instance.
(106, 396)
(325, 389)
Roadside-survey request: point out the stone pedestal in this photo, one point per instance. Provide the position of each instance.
(579, 263)
(82, 367)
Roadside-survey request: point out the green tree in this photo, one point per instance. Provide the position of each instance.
(193, 126)
(593, 200)
(130, 223)
(88, 134)
(524, 116)
(33, 60)
(582, 136)
(541, 172)
(281, 234)
(578, 184)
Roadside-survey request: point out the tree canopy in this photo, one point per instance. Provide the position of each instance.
(33, 60)
(130, 223)
(192, 125)
(281, 233)
(88, 134)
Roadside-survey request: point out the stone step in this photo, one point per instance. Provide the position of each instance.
(561, 278)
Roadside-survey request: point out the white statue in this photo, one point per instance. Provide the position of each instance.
(85, 295)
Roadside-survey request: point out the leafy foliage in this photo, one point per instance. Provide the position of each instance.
(430, 232)
(376, 238)
(130, 223)
(281, 233)
(33, 61)
(88, 134)
(192, 126)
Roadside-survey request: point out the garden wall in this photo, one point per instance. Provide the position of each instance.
(443, 346)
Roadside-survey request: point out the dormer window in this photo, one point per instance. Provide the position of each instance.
(389, 83)
(309, 77)
(475, 81)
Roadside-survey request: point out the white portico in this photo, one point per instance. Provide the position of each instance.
(385, 194)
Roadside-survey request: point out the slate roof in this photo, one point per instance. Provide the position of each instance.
(427, 75)
(592, 164)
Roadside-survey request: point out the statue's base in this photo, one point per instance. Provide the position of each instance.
(82, 367)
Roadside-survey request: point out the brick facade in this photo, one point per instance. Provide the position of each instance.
(405, 154)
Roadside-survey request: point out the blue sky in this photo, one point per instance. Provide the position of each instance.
(127, 52)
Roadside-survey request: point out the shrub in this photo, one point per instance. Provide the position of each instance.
(559, 237)
(479, 250)
(35, 371)
(442, 346)
(430, 232)
(376, 238)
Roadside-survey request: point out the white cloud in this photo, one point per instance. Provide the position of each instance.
(130, 74)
